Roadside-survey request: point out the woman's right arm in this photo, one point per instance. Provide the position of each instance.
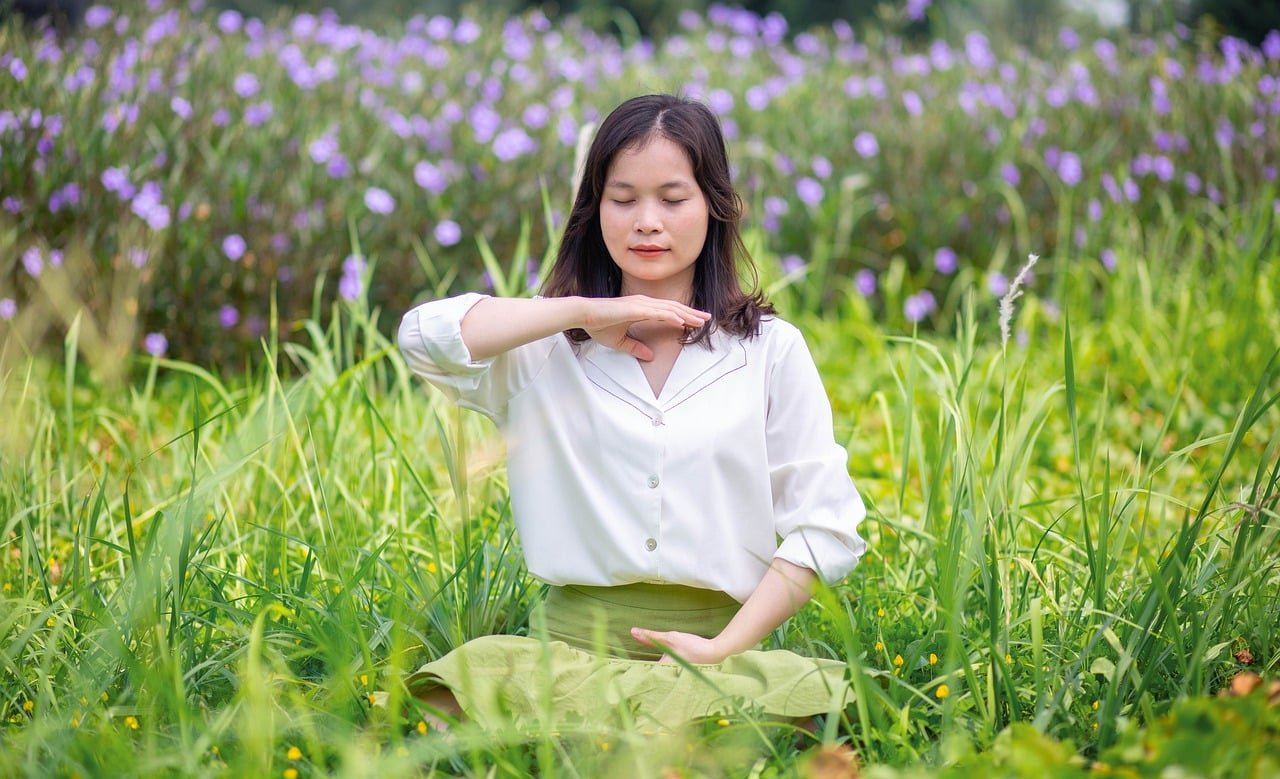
(497, 325)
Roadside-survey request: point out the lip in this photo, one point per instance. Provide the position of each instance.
(648, 249)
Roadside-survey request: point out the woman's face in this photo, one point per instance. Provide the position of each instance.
(653, 217)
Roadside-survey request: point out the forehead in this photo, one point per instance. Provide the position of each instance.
(659, 160)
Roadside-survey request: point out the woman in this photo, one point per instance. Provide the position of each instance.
(664, 429)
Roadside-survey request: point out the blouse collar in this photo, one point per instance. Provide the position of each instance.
(696, 368)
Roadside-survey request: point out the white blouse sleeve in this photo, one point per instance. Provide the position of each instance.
(430, 339)
(816, 507)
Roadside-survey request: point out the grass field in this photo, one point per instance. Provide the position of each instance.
(206, 568)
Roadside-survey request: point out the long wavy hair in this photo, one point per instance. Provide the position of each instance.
(583, 265)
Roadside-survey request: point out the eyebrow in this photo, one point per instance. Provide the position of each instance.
(615, 184)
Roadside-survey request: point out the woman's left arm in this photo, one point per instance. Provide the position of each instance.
(783, 590)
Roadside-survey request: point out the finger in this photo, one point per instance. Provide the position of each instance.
(637, 349)
(666, 659)
(642, 635)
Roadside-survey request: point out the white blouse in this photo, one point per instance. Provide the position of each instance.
(610, 485)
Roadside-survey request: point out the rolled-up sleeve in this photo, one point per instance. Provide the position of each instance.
(817, 509)
(430, 339)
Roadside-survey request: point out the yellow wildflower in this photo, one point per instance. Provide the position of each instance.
(1008, 659)
(1095, 705)
(337, 588)
(75, 722)
(897, 660)
(290, 773)
(294, 753)
(8, 587)
(422, 727)
(431, 567)
(364, 680)
(942, 692)
(724, 723)
(131, 722)
(879, 646)
(51, 622)
(103, 696)
(28, 706)
(933, 659)
(880, 612)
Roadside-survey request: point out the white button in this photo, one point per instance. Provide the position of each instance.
(650, 544)
(653, 482)
(657, 420)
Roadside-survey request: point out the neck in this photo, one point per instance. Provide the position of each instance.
(681, 293)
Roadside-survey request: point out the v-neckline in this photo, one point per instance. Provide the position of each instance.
(666, 380)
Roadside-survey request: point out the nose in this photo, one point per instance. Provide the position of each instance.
(648, 219)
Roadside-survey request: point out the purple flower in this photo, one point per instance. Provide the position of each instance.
(513, 143)
(945, 260)
(33, 261)
(1108, 258)
(865, 144)
(8, 309)
(117, 180)
(181, 107)
(234, 247)
(484, 122)
(918, 306)
(997, 283)
(97, 16)
(228, 316)
(221, 117)
(792, 263)
(1009, 172)
(809, 191)
(430, 177)
(1225, 132)
(257, 114)
(821, 167)
(17, 69)
(1163, 167)
(865, 281)
(535, 116)
(1192, 182)
(55, 258)
(1271, 45)
(147, 205)
(68, 195)
(350, 288)
(246, 85)
(912, 102)
(155, 344)
(1131, 190)
(379, 201)
(230, 21)
(1095, 209)
(137, 256)
(322, 149)
(338, 167)
(917, 8)
(1069, 169)
(12, 204)
(448, 232)
(1069, 38)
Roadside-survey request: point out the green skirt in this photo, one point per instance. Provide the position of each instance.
(582, 665)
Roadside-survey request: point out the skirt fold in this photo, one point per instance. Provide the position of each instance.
(557, 678)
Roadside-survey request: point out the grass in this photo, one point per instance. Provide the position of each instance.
(1072, 535)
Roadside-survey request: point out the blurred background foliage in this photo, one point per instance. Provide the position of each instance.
(1025, 20)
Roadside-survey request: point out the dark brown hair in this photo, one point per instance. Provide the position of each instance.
(583, 265)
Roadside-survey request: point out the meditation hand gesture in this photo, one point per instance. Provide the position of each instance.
(686, 646)
(608, 320)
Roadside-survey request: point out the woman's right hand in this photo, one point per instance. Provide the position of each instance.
(609, 320)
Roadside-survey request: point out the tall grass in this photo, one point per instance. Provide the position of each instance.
(1070, 531)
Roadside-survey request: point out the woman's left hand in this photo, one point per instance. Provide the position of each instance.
(687, 646)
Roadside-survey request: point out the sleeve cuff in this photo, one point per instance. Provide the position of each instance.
(435, 328)
(830, 557)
